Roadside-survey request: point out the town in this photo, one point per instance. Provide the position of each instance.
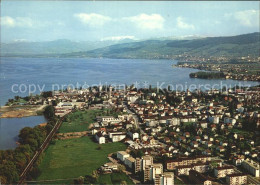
(172, 137)
(235, 71)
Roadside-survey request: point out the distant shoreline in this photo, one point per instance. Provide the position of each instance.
(20, 111)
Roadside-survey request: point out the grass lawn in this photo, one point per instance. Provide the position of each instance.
(239, 131)
(76, 157)
(177, 181)
(79, 121)
(114, 178)
(188, 123)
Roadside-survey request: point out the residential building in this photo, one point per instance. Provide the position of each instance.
(100, 138)
(220, 172)
(130, 162)
(109, 167)
(198, 178)
(147, 160)
(236, 179)
(122, 155)
(138, 165)
(251, 166)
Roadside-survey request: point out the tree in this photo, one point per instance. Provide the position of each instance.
(90, 180)
(123, 183)
(80, 180)
(49, 112)
(9, 171)
(121, 168)
(46, 94)
(95, 174)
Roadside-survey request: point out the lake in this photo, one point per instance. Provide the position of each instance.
(10, 127)
(19, 74)
(45, 73)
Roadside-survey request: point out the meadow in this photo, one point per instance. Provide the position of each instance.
(76, 157)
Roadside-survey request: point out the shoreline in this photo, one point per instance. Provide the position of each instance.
(21, 111)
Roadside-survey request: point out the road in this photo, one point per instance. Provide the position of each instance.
(137, 124)
(136, 120)
(40, 151)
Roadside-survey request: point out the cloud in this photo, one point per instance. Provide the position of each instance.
(249, 18)
(118, 38)
(16, 22)
(183, 25)
(93, 19)
(147, 22)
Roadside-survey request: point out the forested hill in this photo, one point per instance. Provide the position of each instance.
(232, 46)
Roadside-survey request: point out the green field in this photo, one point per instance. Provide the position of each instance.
(79, 121)
(75, 157)
(114, 178)
(177, 181)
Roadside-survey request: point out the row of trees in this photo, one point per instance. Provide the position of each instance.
(13, 162)
(207, 75)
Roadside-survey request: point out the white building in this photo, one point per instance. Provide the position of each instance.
(167, 178)
(146, 161)
(157, 169)
(236, 179)
(175, 121)
(214, 119)
(130, 162)
(122, 155)
(251, 166)
(133, 135)
(220, 172)
(117, 136)
(100, 138)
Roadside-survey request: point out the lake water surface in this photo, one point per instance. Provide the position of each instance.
(10, 127)
(20, 73)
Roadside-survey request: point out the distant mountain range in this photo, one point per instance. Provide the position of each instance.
(231, 46)
(23, 48)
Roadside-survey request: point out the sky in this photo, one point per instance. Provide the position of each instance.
(115, 20)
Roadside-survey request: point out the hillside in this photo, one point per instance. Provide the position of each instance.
(53, 47)
(231, 46)
(234, 46)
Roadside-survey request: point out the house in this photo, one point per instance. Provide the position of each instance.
(109, 167)
(223, 143)
(207, 152)
(197, 138)
(176, 143)
(220, 149)
(100, 138)
(186, 134)
(237, 161)
(133, 135)
(182, 139)
(194, 144)
(209, 143)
